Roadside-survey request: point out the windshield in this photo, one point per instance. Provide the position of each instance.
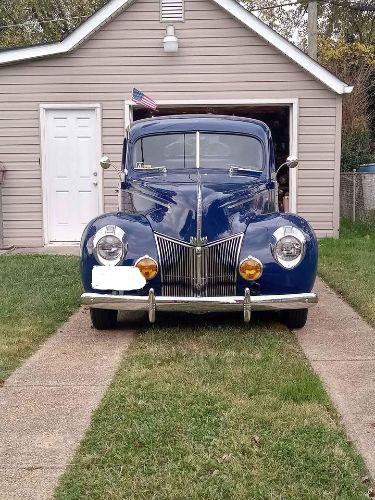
(198, 150)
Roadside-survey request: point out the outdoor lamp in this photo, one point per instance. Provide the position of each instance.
(170, 40)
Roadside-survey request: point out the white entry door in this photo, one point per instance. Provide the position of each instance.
(70, 172)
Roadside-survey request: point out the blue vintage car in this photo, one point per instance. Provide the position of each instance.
(199, 228)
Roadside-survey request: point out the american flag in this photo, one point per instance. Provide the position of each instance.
(140, 97)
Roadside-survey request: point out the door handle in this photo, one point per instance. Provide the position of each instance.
(95, 183)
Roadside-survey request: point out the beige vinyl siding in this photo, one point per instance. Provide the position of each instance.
(218, 58)
(318, 164)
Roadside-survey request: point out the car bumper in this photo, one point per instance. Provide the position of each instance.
(199, 305)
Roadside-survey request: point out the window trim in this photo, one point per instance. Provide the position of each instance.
(197, 146)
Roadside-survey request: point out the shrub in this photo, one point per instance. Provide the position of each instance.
(356, 148)
(354, 63)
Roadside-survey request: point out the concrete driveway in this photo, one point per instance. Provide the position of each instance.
(46, 405)
(340, 346)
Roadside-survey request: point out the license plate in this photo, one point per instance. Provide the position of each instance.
(119, 278)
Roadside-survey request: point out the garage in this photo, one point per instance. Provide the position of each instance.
(63, 105)
(278, 116)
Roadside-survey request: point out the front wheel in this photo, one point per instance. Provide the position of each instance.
(294, 318)
(103, 319)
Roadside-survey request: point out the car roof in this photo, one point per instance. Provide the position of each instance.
(199, 122)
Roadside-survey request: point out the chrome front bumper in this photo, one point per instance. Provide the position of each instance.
(199, 305)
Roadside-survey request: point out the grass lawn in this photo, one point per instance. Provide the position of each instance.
(214, 410)
(348, 265)
(37, 294)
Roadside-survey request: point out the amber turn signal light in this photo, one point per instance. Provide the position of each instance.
(251, 269)
(148, 267)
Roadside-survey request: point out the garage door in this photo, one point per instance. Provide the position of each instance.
(70, 172)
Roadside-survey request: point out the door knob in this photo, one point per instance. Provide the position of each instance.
(95, 183)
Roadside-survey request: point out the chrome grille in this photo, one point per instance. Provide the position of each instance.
(218, 263)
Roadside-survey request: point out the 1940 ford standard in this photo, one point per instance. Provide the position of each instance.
(198, 228)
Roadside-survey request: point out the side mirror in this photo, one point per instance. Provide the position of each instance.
(105, 162)
(292, 161)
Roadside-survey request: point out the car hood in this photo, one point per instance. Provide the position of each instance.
(217, 205)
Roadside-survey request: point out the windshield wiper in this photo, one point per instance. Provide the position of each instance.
(235, 169)
(142, 166)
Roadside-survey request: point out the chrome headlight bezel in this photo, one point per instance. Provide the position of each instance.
(285, 232)
(116, 232)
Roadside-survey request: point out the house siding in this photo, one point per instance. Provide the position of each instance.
(218, 58)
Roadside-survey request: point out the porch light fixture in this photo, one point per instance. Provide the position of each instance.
(170, 40)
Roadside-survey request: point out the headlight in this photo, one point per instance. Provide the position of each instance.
(109, 246)
(251, 269)
(288, 247)
(147, 266)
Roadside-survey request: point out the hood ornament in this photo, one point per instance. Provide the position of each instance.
(198, 241)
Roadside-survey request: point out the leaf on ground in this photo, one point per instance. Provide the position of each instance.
(2, 382)
(256, 439)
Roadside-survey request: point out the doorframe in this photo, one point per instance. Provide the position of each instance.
(291, 102)
(43, 108)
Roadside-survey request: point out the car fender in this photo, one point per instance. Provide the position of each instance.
(257, 242)
(139, 239)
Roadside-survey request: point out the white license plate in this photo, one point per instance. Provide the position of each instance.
(119, 278)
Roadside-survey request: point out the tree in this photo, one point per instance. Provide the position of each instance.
(355, 64)
(347, 48)
(25, 22)
(350, 20)
(288, 20)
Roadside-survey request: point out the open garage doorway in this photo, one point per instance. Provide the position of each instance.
(280, 117)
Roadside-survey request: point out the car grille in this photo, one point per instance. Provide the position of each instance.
(212, 275)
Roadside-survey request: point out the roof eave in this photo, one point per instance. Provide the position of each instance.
(281, 43)
(103, 15)
(78, 36)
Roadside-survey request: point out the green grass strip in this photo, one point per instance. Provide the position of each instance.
(347, 264)
(214, 410)
(37, 294)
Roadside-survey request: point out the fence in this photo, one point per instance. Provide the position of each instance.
(357, 196)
